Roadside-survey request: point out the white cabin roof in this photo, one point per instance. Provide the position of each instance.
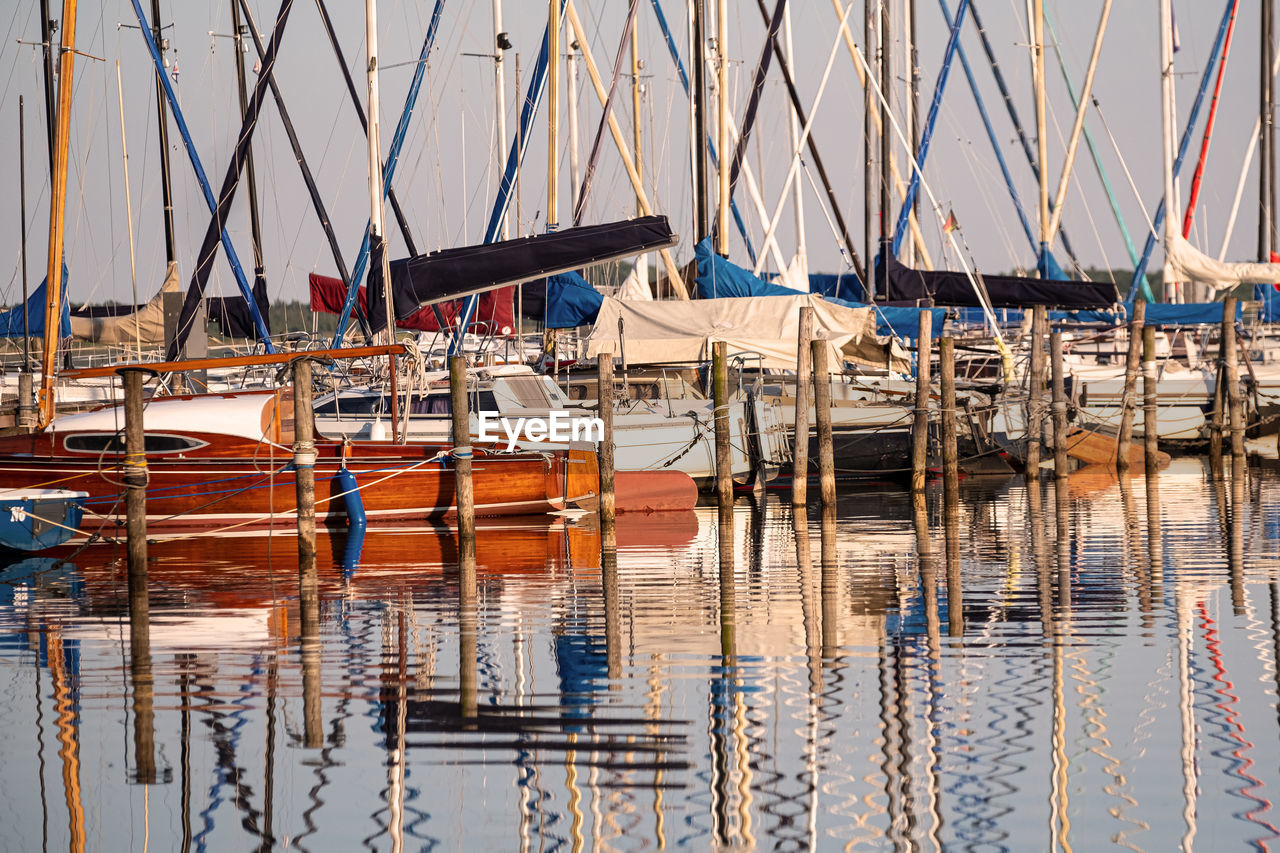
(224, 414)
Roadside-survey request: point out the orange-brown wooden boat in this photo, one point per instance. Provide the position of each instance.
(225, 460)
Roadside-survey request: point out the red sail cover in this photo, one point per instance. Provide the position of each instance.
(494, 315)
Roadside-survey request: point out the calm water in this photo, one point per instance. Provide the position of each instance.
(1074, 671)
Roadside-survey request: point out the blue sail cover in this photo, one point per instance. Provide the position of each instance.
(1159, 314)
(846, 286)
(11, 320)
(1270, 299)
(719, 278)
(571, 301)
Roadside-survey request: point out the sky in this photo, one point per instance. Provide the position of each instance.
(447, 175)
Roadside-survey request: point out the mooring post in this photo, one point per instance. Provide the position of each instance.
(1216, 419)
(26, 420)
(462, 458)
(920, 426)
(304, 457)
(950, 453)
(309, 646)
(468, 643)
(140, 672)
(1132, 365)
(1150, 427)
(720, 388)
(135, 481)
(604, 451)
(1035, 393)
(1059, 406)
(822, 415)
(1231, 367)
(804, 384)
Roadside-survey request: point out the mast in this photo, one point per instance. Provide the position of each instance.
(571, 109)
(47, 27)
(642, 262)
(868, 153)
(553, 115)
(377, 236)
(255, 224)
(1266, 159)
(1166, 112)
(162, 126)
(22, 201)
(913, 93)
(886, 149)
(701, 221)
(722, 126)
(500, 91)
(802, 249)
(1042, 138)
(57, 209)
(128, 209)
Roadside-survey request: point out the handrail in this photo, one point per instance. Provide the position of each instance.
(233, 361)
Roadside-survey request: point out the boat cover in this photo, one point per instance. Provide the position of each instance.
(1003, 291)
(766, 327)
(494, 311)
(11, 320)
(123, 324)
(1184, 262)
(454, 273)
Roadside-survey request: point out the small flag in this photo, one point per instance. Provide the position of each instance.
(952, 224)
(1275, 259)
(174, 72)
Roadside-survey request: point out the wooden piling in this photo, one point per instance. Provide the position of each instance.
(143, 679)
(135, 481)
(1132, 366)
(1035, 393)
(604, 451)
(950, 454)
(1150, 426)
(304, 457)
(822, 415)
(309, 646)
(1231, 369)
(468, 640)
(465, 496)
(1216, 419)
(26, 419)
(1060, 465)
(720, 388)
(804, 385)
(920, 426)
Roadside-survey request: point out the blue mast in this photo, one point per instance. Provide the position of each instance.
(389, 169)
(232, 258)
(991, 135)
(952, 42)
(1140, 271)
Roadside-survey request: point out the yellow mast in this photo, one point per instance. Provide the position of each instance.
(57, 206)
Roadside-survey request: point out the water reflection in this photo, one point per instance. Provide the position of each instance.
(898, 670)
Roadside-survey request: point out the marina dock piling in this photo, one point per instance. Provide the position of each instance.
(304, 457)
(950, 461)
(462, 458)
(920, 426)
(1132, 366)
(1060, 465)
(309, 646)
(822, 415)
(1231, 369)
(1150, 415)
(604, 451)
(135, 482)
(26, 419)
(720, 388)
(1035, 393)
(804, 384)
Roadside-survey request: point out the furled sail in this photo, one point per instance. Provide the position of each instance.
(1005, 291)
(1183, 262)
(142, 323)
(453, 273)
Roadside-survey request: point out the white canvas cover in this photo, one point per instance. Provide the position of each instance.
(146, 324)
(683, 332)
(636, 284)
(1185, 263)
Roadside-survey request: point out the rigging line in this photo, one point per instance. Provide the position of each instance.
(1151, 228)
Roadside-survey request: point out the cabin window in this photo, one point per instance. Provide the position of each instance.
(113, 442)
(432, 404)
